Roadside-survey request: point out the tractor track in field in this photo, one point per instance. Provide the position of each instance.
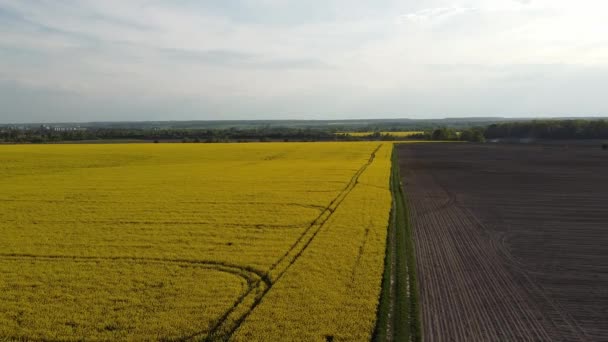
(392, 276)
(258, 282)
(205, 263)
(479, 283)
(254, 278)
(510, 241)
(251, 275)
(225, 328)
(160, 222)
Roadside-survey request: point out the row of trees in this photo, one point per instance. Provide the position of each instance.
(44, 135)
(549, 129)
(451, 134)
(538, 129)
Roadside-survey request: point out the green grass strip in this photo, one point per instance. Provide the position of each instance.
(405, 321)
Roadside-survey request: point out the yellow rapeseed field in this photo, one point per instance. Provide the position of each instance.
(276, 241)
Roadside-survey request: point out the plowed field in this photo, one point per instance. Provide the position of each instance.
(511, 240)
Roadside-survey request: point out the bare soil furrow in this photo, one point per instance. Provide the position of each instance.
(510, 240)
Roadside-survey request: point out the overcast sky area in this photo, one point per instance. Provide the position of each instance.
(110, 60)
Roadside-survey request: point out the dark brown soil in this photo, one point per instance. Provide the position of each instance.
(511, 240)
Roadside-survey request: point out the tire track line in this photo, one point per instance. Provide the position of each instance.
(225, 328)
(254, 278)
(468, 292)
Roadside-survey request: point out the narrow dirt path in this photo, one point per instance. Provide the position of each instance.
(398, 318)
(392, 246)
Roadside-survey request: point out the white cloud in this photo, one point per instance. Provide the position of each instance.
(436, 13)
(266, 58)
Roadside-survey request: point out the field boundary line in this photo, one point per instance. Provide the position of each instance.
(398, 314)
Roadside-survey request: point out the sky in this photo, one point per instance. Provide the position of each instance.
(131, 60)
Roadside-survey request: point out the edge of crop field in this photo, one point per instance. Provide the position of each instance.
(405, 320)
(410, 258)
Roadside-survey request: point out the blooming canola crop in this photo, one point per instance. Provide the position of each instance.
(260, 241)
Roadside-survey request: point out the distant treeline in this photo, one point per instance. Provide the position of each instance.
(360, 125)
(538, 129)
(46, 135)
(447, 134)
(549, 129)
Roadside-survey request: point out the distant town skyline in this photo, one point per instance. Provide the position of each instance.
(140, 60)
